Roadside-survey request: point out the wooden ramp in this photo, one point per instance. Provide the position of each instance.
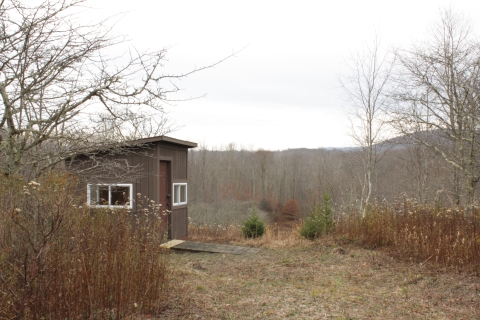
(208, 247)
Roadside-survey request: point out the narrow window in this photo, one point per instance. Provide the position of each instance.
(179, 193)
(110, 195)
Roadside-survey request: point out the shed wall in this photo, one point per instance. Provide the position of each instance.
(145, 178)
(179, 159)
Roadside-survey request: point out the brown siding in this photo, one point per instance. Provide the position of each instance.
(179, 223)
(143, 178)
(180, 171)
(146, 183)
(179, 159)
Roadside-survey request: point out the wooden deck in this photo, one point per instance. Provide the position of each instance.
(208, 247)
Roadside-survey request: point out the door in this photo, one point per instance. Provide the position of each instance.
(165, 192)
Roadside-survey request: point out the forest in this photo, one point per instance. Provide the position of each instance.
(270, 179)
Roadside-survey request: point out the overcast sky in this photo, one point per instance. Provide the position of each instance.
(281, 90)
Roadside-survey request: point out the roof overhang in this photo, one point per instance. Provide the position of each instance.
(183, 143)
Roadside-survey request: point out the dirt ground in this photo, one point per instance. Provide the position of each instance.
(317, 280)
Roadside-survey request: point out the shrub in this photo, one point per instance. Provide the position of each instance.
(59, 260)
(320, 220)
(312, 226)
(291, 208)
(327, 211)
(253, 227)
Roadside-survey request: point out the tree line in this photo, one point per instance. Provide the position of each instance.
(272, 178)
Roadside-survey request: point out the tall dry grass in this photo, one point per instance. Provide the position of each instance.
(275, 236)
(59, 260)
(448, 237)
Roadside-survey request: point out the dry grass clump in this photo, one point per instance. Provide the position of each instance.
(275, 236)
(445, 236)
(59, 260)
(214, 232)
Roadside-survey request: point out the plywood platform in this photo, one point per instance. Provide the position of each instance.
(208, 247)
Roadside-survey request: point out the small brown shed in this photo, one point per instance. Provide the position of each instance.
(153, 168)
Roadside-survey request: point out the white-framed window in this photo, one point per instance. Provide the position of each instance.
(110, 195)
(179, 194)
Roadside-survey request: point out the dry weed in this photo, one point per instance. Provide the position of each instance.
(447, 237)
(59, 260)
(276, 236)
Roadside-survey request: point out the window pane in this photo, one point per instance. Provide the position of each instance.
(176, 193)
(102, 195)
(183, 193)
(93, 194)
(119, 195)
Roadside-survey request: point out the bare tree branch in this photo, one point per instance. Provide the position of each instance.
(367, 95)
(438, 98)
(62, 94)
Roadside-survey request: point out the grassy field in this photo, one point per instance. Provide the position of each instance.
(324, 279)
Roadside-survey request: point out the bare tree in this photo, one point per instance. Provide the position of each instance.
(264, 159)
(61, 91)
(439, 98)
(366, 92)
